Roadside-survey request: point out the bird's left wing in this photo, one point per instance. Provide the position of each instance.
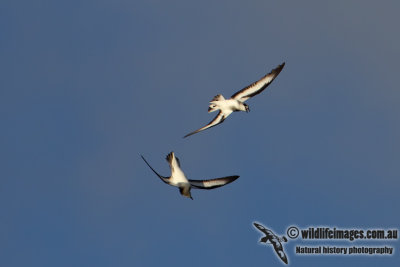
(258, 86)
(212, 183)
(217, 120)
(163, 178)
(281, 253)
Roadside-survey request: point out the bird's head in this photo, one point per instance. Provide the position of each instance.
(189, 195)
(246, 107)
(185, 191)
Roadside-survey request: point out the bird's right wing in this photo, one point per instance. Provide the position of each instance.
(212, 183)
(164, 179)
(281, 253)
(258, 86)
(217, 120)
(261, 228)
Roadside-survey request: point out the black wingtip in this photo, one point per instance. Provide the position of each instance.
(189, 134)
(259, 226)
(232, 178)
(144, 160)
(278, 69)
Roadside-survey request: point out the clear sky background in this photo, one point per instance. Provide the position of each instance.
(88, 86)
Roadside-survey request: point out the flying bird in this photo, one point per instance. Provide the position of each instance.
(179, 179)
(236, 102)
(273, 240)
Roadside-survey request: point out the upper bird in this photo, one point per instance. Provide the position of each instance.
(179, 179)
(236, 102)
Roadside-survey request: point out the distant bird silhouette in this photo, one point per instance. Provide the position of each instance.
(274, 240)
(236, 102)
(179, 179)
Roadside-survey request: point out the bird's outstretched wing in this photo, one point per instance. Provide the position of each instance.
(281, 253)
(261, 228)
(258, 86)
(212, 183)
(217, 120)
(163, 178)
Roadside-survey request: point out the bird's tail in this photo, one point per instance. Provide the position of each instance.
(170, 157)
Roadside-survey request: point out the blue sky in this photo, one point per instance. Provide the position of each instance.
(88, 86)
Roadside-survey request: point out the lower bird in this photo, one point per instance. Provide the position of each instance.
(236, 102)
(274, 240)
(179, 179)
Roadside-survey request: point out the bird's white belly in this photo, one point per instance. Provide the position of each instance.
(227, 106)
(178, 177)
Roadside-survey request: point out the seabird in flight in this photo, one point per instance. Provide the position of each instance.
(273, 240)
(236, 102)
(179, 179)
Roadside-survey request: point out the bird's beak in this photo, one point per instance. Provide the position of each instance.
(247, 109)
